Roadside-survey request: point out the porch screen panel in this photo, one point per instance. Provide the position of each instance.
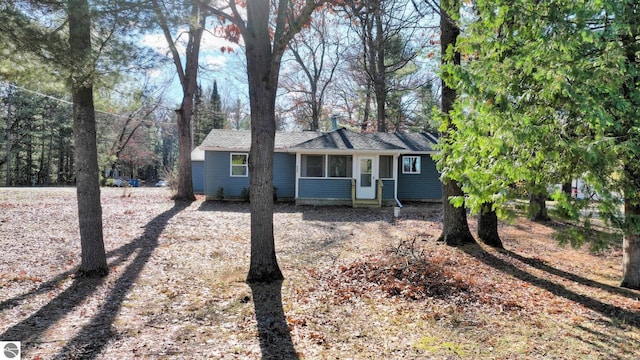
(312, 166)
(386, 167)
(340, 166)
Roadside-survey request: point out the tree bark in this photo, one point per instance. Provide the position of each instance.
(380, 73)
(631, 246)
(188, 76)
(9, 142)
(27, 171)
(488, 226)
(264, 264)
(538, 206)
(263, 67)
(455, 229)
(630, 90)
(185, 182)
(189, 81)
(94, 261)
(315, 108)
(364, 125)
(262, 71)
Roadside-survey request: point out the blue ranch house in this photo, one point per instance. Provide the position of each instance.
(341, 167)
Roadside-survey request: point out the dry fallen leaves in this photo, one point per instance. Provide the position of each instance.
(359, 285)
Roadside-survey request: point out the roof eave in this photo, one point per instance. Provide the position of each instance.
(226, 149)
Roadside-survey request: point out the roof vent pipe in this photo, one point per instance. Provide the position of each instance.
(334, 123)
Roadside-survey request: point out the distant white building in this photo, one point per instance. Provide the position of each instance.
(581, 190)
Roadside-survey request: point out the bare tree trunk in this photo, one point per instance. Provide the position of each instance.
(61, 154)
(49, 157)
(380, 73)
(43, 154)
(185, 114)
(185, 183)
(538, 206)
(367, 108)
(488, 226)
(263, 67)
(315, 109)
(27, 171)
(631, 238)
(455, 229)
(70, 165)
(16, 170)
(94, 261)
(631, 246)
(188, 76)
(9, 140)
(369, 67)
(263, 79)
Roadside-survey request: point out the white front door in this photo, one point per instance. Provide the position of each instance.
(365, 180)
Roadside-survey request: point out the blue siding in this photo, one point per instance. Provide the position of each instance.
(284, 175)
(387, 189)
(423, 186)
(217, 168)
(217, 172)
(197, 176)
(328, 188)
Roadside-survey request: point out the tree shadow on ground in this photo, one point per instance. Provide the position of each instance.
(42, 288)
(243, 207)
(273, 330)
(540, 265)
(614, 312)
(91, 339)
(334, 213)
(225, 206)
(345, 214)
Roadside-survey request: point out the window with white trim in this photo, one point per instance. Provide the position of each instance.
(411, 164)
(239, 164)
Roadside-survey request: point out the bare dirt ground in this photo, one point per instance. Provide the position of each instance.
(359, 285)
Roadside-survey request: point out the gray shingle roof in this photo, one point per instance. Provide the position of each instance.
(344, 139)
(419, 142)
(220, 139)
(341, 139)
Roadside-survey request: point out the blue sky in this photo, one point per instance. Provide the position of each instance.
(226, 68)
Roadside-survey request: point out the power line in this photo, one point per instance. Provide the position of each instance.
(53, 98)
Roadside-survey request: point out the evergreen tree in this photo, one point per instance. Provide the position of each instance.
(216, 108)
(550, 96)
(79, 40)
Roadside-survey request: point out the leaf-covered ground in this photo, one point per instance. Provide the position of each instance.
(360, 285)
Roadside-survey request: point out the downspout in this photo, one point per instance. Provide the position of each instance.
(395, 183)
(297, 176)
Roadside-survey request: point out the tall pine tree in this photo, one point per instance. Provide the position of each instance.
(547, 97)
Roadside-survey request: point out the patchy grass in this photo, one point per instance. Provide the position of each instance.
(359, 285)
